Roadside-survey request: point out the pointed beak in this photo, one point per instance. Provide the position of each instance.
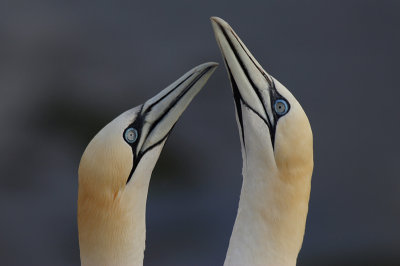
(163, 110)
(159, 114)
(253, 87)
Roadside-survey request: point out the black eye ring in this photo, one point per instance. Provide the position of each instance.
(131, 135)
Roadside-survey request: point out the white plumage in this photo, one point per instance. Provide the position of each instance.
(115, 171)
(277, 149)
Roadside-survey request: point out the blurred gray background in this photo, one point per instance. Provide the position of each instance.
(69, 67)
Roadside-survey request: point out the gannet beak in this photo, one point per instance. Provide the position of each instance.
(159, 114)
(252, 86)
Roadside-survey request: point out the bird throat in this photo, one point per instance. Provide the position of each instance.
(114, 233)
(270, 222)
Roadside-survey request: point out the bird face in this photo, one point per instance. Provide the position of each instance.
(125, 151)
(271, 122)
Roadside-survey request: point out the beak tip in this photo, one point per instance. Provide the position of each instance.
(214, 18)
(219, 21)
(210, 66)
(214, 65)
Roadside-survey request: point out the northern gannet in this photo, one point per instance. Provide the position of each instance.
(277, 151)
(115, 171)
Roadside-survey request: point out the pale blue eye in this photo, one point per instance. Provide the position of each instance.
(131, 135)
(281, 107)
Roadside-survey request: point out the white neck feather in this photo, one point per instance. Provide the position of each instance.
(112, 229)
(268, 229)
(273, 206)
(114, 234)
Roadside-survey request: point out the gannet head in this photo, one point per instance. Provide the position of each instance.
(115, 170)
(130, 145)
(271, 121)
(277, 152)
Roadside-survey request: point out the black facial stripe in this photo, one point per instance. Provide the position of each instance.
(267, 78)
(138, 125)
(176, 100)
(237, 98)
(163, 97)
(139, 121)
(273, 93)
(274, 96)
(246, 72)
(267, 121)
(140, 155)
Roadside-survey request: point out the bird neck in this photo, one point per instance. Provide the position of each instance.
(113, 232)
(270, 222)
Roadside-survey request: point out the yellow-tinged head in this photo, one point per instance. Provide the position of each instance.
(277, 150)
(269, 117)
(115, 171)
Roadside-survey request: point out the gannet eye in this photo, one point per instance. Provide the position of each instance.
(281, 107)
(131, 135)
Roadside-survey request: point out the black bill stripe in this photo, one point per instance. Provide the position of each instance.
(267, 121)
(138, 123)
